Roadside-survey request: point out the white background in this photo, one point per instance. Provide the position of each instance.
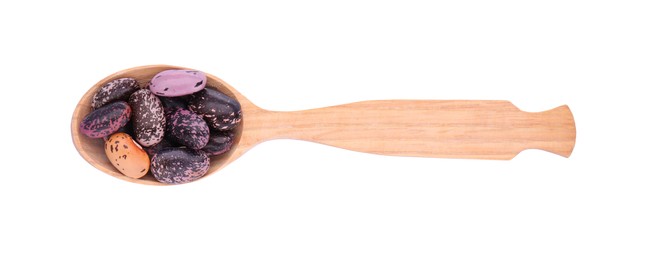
(298, 200)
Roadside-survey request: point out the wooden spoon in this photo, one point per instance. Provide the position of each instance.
(469, 129)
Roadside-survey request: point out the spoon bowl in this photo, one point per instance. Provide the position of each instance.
(468, 129)
(92, 150)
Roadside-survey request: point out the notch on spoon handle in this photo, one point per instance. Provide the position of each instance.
(425, 128)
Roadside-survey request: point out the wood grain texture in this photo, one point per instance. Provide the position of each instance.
(425, 128)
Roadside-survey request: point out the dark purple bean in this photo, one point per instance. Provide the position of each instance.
(220, 142)
(148, 117)
(187, 128)
(159, 146)
(173, 102)
(179, 165)
(106, 120)
(116, 90)
(220, 111)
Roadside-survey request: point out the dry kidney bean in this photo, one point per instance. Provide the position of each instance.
(220, 111)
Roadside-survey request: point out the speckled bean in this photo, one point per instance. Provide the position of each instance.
(179, 165)
(220, 111)
(148, 117)
(116, 90)
(106, 120)
(187, 128)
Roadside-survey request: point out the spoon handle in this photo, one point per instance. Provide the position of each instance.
(427, 128)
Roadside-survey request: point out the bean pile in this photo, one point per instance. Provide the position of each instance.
(170, 128)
